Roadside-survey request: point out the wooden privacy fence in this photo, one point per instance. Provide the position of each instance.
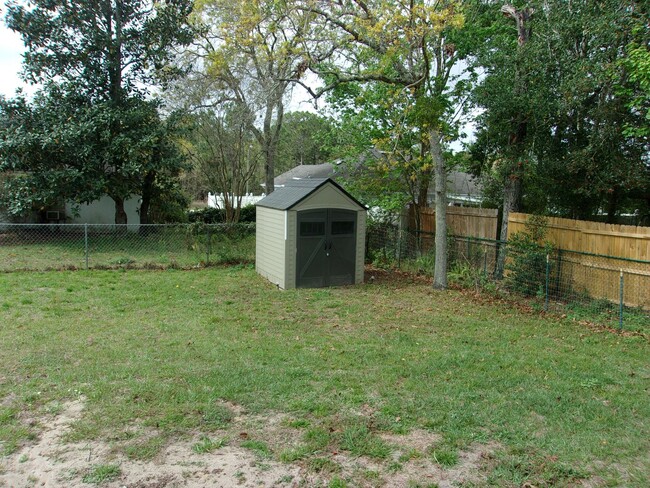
(461, 221)
(593, 255)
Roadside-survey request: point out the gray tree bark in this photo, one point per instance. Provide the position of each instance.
(440, 266)
(513, 187)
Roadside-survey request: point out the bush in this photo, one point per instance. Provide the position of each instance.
(212, 215)
(526, 264)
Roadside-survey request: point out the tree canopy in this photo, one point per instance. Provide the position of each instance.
(98, 62)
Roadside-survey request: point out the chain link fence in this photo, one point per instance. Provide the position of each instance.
(606, 290)
(586, 287)
(41, 247)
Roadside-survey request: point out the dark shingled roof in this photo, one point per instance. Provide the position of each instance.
(303, 172)
(296, 191)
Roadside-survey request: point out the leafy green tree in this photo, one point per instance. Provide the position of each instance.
(102, 55)
(407, 45)
(558, 110)
(304, 139)
(60, 147)
(225, 154)
(252, 52)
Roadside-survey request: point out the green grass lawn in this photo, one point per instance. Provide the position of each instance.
(166, 349)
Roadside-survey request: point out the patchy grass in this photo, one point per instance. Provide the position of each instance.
(102, 473)
(172, 350)
(208, 445)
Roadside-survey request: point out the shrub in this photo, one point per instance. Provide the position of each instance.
(526, 264)
(211, 215)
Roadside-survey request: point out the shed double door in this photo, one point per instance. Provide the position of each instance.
(326, 253)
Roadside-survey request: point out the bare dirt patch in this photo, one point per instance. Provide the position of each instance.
(49, 462)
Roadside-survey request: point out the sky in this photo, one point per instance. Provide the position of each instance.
(11, 49)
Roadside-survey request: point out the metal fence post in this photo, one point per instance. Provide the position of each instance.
(558, 272)
(207, 260)
(548, 269)
(620, 317)
(86, 244)
(399, 247)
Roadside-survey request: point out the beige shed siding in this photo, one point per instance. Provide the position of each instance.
(270, 245)
(327, 196)
(276, 246)
(292, 249)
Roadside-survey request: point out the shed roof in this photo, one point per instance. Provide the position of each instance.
(296, 191)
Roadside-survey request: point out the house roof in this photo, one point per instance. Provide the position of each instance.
(295, 191)
(304, 171)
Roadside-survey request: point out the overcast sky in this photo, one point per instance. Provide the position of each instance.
(11, 48)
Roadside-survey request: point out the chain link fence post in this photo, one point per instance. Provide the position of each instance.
(86, 244)
(548, 270)
(620, 316)
(209, 245)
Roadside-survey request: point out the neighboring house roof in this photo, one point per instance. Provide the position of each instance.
(295, 191)
(463, 188)
(305, 171)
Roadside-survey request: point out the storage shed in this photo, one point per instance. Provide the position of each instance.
(310, 233)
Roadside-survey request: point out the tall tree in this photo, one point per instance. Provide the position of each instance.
(103, 53)
(252, 50)
(60, 147)
(225, 155)
(407, 45)
(576, 98)
(303, 140)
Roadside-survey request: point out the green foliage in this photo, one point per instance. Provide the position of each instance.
(93, 130)
(211, 215)
(527, 256)
(78, 43)
(225, 155)
(303, 139)
(63, 146)
(563, 110)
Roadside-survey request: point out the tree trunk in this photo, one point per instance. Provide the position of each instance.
(120, 213)
(512, 191)
(147, 193)
(269, 168)
(612, 206)
(511, 203)
(440, 266)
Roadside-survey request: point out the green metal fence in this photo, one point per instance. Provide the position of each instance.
(605, 290)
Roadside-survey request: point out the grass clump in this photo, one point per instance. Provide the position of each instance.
(361, 442)
(102, 473)
(206, 445)
(260, 448)
(145, 450)
(444, 456)
(216, 416)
